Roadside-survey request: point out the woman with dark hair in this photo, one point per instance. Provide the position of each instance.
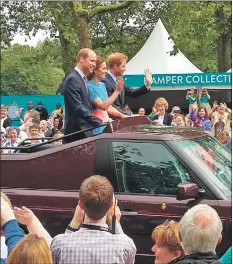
(200, 118)
(102, 104)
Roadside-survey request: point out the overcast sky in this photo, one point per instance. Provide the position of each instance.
(20, 38)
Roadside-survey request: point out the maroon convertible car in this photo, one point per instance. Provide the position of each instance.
(158, 173)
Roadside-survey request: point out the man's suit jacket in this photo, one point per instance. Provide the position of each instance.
(167, 120)
(78, 109)
(35, 116)
(127, 91)
(48, 133)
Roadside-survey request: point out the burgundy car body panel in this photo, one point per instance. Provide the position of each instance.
(49, 169)
(153, 210)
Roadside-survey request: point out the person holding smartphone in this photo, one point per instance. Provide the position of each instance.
(94, 235)
(192, 98)
(221, 119)
(204, 99)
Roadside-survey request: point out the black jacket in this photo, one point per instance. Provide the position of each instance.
(43, 113)
(198, 258)
(48, 133)
(167, 120)
(7, 122)
(78, 109)
(127, 91)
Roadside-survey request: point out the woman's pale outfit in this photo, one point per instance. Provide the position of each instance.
(221, 124)
(9, 144)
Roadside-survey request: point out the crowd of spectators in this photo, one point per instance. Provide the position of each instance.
(36, 126)
(215, 120)
(95, 235)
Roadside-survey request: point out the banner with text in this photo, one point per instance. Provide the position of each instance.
(192, 79)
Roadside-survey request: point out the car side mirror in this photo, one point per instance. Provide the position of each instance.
(187, 190)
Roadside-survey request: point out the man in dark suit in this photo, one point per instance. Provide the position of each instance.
(116, 68)
(78, 109)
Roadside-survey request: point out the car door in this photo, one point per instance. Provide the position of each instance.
(148, 174)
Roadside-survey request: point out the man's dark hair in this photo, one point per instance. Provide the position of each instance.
(221, 101)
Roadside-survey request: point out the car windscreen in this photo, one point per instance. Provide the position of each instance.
(211, 157)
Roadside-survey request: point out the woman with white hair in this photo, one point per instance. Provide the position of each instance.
(12, 140)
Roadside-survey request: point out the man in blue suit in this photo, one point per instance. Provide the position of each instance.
(78, 109)
(116, 68)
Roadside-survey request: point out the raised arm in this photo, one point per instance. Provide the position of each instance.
(104, 105)
(199, 95)
(26, 217)
(193, 114)
(114, 112)
(228, 110)
(10, 226)
(131, 92)
(215, 104)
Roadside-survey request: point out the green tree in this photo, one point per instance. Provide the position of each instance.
(28, 70)
(104, 26)
(202, 31)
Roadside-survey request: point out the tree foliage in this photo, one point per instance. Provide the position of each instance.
(28, 70)
(105, 26)
(198, 29)
(201, 30)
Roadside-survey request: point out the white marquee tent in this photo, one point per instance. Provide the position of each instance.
(155, 55)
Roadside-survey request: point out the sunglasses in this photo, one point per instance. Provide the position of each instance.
(166, 225)
(177, 111)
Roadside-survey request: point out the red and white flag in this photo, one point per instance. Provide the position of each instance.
(18, 111)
